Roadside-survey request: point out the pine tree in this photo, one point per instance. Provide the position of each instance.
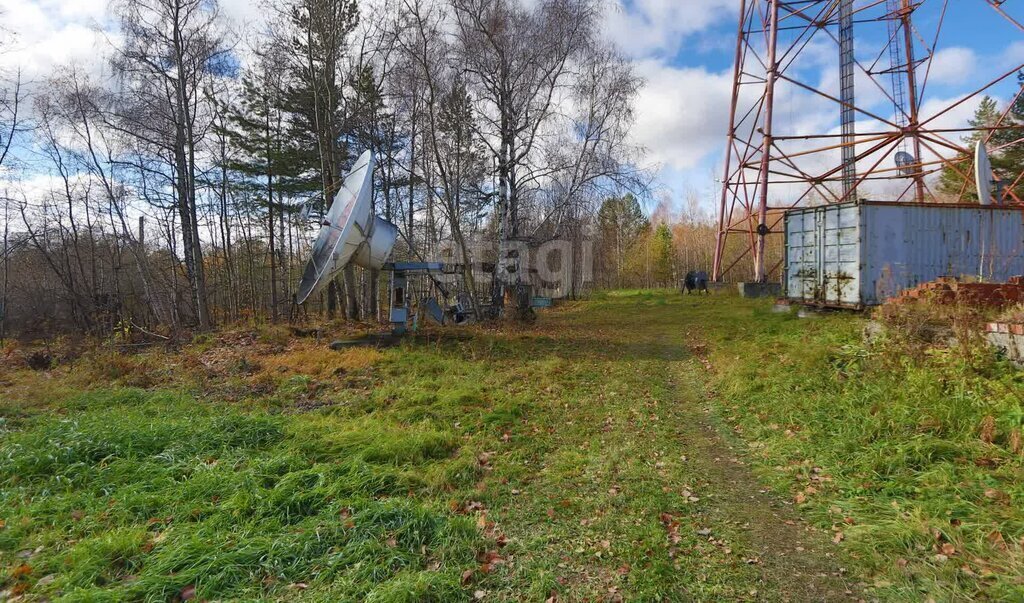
(662, 254)
(620, 222)
(254, 131)
(1005, 150)
(1013, 153)
(317, 42)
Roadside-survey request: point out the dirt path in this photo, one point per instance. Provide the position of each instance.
(796, 561)
(644, 498)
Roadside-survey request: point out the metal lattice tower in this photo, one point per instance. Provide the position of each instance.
(782, 155)
(897, 68)
(847, 116)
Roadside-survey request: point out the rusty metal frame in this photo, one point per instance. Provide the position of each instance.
(756, 158)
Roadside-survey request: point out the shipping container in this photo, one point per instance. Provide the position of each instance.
(859, 254)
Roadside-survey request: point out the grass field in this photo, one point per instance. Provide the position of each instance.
(640, 446)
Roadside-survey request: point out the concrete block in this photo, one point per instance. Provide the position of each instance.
(1009, 338)
(753, 290)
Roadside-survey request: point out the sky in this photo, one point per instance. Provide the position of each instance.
(682, 48)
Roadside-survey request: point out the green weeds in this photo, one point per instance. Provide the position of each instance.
(138, 495)
(573, 458)
(908, 450)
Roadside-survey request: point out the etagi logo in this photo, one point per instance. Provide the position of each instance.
(553, 264)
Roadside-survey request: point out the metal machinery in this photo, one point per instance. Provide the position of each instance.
(776, 160)
(402, 310)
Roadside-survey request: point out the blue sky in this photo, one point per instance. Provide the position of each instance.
(683, 48)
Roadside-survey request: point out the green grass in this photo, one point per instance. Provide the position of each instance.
(577, 458)
(137, 495)
(890, 442)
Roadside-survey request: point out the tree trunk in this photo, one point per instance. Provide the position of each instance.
(351, 294)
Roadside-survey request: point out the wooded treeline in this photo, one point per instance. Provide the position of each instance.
(181, 187)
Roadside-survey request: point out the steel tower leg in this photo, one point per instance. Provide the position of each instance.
(772, 77)
(730, 143)
(914, 124)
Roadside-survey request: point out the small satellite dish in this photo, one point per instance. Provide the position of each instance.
(350, 233)
(905, 162)
(982, 173)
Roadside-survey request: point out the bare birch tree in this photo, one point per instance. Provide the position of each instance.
(171, 48)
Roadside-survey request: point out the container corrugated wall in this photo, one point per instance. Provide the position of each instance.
(860, 254)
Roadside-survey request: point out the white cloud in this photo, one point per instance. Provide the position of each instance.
(952, 65)
(682, 113)
(1013, 55)
(645, 28)
(43, 34)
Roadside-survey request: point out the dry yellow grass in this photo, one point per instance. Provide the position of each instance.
(318, 361)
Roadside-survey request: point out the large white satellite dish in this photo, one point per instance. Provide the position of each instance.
(350, 233)
(983, 173)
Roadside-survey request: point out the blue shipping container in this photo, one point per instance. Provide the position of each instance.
(859, 254)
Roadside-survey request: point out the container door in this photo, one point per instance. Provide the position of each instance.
(840, 256)
(802, 268)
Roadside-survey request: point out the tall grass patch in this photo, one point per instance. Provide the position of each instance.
(907, 447)
(150, 495)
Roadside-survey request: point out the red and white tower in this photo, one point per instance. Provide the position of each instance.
(865, 66)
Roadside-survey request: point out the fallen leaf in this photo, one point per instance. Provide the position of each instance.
(492, 558)
(21, 571)
(15, 593)
(800, 498)
(997, 495)
(839, 536)
(391, 542)
(187, 593)
(996, 538)
(467, 576)
(948, 549)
